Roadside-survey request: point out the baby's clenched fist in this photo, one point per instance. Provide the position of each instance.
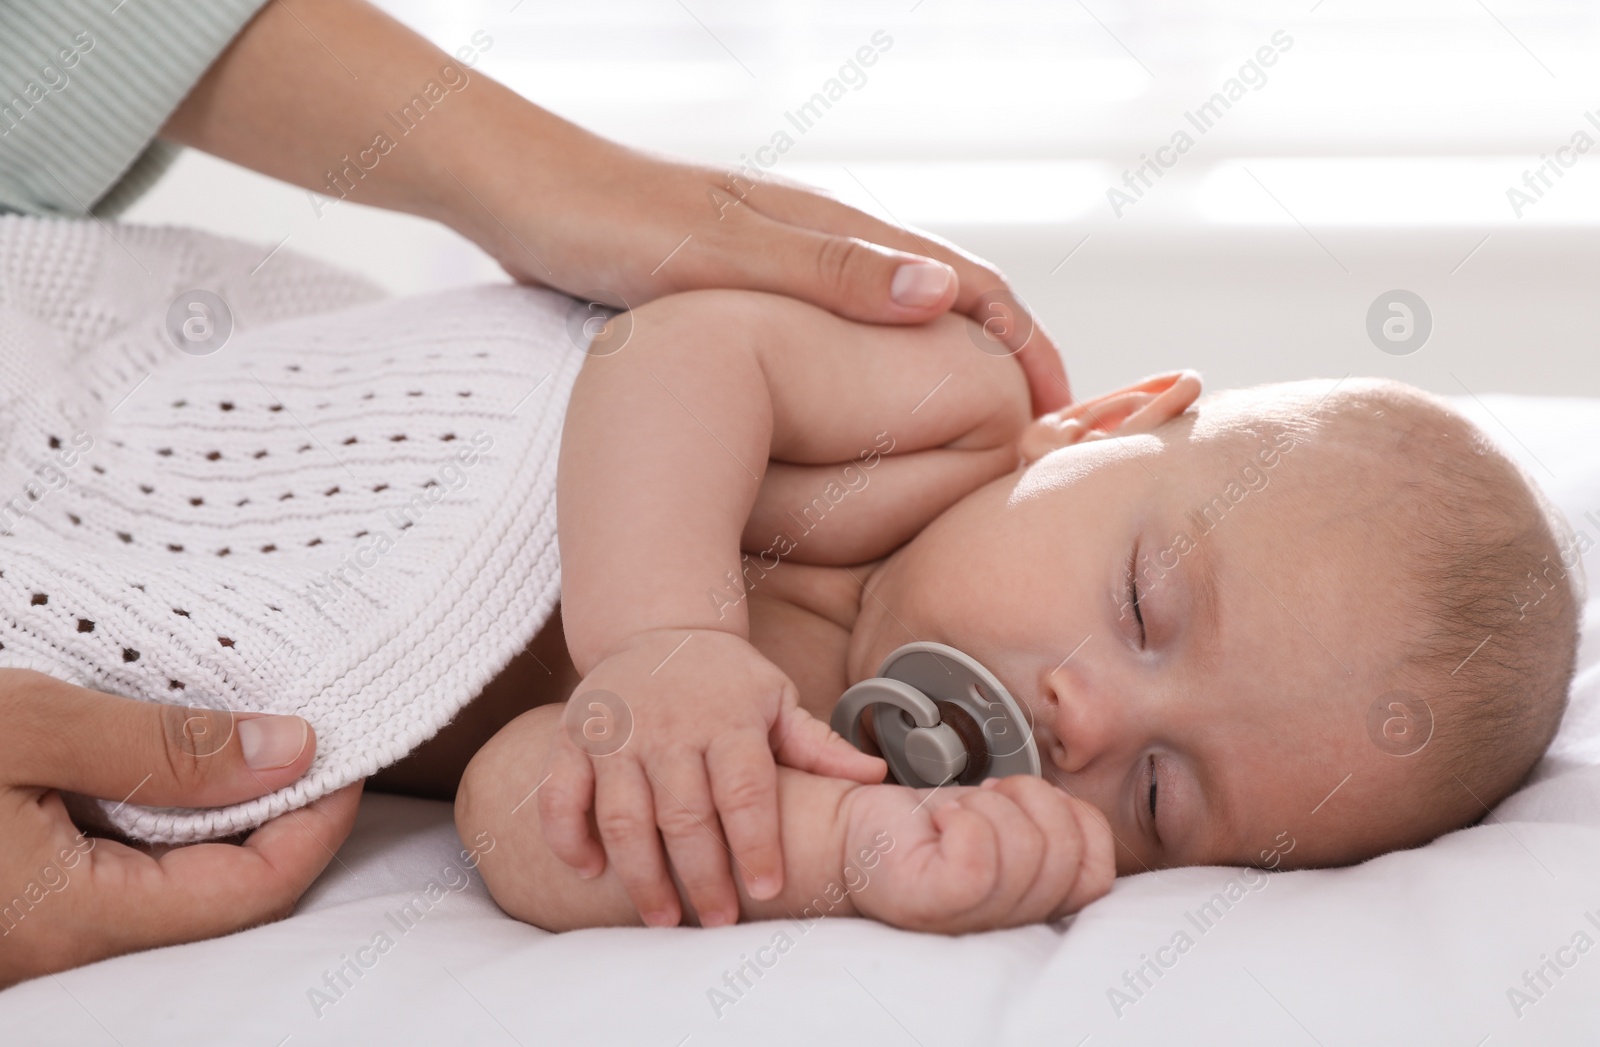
(1010, 852)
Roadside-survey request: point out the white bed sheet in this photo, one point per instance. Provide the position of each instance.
(1417, 947)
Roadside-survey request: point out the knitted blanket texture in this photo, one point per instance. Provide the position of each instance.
(346, 512)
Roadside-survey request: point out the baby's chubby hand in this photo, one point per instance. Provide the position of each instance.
(1010, 852)
(688, 725)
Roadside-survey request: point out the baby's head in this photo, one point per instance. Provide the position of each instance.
(1306, 623)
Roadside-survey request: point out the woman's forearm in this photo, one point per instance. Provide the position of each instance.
(339, 98)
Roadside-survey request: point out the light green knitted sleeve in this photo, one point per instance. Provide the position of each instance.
(84, 87)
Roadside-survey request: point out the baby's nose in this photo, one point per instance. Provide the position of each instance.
(1079, 721)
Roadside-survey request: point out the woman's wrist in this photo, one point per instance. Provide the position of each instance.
(482, 173)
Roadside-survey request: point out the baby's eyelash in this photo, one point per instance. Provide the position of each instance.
(1153, 798)
(1133, 592)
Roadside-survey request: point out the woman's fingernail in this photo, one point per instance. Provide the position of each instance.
(588, 872)
(715, 918)
(270, 742)
(989, 783)
(660, 918)
(763, 887)
(920, 283)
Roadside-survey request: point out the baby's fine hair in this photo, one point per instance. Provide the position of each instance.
(1488, 581)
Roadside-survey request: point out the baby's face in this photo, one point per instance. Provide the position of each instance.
(1194, 619)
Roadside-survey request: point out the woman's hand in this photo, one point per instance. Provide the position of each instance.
(556, 205)
(67, 899)
(613, 221)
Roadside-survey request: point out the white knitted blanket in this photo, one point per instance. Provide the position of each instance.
(346, 512)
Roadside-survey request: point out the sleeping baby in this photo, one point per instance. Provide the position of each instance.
(1325, 612)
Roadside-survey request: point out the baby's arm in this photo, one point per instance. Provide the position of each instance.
(668, 440)
(1018, 851)
(666, 448)
(531, 883)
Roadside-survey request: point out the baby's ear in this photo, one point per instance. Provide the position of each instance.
(1123, 412)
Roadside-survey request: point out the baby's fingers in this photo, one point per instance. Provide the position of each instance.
(1062, 847)
(805, 743)
(1097, 870)
(565, 794)
(966, 871)
(688, 821)
(744, 783)
(1020, 848)
(625, 813)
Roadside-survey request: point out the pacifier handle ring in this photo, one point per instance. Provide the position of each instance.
(944, 673)
(880, 690)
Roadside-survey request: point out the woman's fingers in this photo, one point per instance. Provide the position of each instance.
(108, 898)
(1008, 327)
(982, 293)
(214, 888)
(846, 275)
(115, 898)
(61, 736)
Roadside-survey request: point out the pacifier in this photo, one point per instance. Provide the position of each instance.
(940, 718)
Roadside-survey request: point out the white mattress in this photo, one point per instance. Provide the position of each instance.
(1418, 947)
